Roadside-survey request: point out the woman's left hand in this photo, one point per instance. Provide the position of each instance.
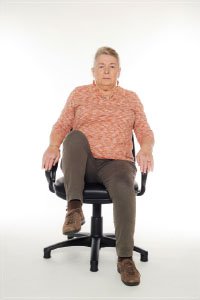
(144, 159)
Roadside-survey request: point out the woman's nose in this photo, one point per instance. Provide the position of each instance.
(106, 70)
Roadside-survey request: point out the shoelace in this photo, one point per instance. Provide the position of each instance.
(130, 267)
(71, 217)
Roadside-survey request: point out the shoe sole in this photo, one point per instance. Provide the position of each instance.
(128, 283)
(74, 231)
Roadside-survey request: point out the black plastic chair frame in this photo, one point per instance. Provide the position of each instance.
(96, 195)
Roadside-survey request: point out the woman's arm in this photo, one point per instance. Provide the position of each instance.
(145, 155)
(60, 129)
(145, 137)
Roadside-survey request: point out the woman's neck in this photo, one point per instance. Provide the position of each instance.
(105, 89)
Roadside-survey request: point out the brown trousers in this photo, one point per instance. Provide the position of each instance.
(79, 165)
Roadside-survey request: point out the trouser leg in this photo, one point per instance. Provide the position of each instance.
(77, 162)
(118, 177)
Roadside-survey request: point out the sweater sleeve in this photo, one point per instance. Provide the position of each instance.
(65, 121)
(141, 126)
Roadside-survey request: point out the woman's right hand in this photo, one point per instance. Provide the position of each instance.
(50, 157)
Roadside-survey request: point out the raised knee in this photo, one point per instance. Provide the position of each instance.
(75, 135)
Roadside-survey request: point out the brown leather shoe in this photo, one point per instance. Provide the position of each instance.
(128, 271)
(73, 221)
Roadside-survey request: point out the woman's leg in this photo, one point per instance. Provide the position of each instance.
(77, 164)
(118, 176)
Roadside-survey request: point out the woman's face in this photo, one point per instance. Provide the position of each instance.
(106, 70)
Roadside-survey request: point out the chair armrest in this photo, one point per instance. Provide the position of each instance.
(143, 184)
(51, 177)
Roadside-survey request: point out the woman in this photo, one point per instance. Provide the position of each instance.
(99, 149)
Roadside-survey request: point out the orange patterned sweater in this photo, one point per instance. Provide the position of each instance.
(107, 123)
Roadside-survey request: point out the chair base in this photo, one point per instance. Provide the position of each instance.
(96, 243)
(95, 239)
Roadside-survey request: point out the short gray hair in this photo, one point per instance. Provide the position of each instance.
(107, 51)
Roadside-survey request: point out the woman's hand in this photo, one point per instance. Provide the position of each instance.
(51, 157)
(144, 159)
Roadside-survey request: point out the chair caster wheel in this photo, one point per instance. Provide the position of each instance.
(70, 236)
(47, 254)
(93, 266)
(144, 258)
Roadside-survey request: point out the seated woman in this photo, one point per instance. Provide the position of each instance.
(95, 128)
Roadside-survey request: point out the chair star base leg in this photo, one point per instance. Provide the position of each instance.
(143, 253)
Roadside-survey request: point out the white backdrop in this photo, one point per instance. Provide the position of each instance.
(47, 49)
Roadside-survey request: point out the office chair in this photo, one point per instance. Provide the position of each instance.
(95, 194)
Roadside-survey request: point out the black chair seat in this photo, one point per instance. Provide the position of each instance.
(92, 192)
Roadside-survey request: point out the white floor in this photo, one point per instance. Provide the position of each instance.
(172, 272)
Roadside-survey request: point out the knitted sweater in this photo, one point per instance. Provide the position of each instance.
(107, 123)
